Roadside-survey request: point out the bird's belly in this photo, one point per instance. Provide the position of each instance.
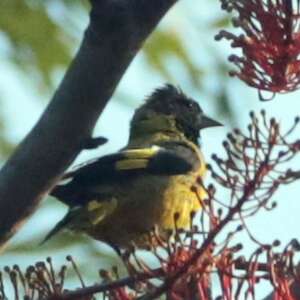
(146, 203)
(178, 202)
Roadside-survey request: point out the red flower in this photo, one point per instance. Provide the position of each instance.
(270, 44)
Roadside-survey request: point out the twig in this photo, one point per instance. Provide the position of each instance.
(98, 288)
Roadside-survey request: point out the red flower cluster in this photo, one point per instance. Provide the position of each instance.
(252, 169)
(270, 44)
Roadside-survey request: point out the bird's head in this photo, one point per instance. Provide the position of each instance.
(171, 104)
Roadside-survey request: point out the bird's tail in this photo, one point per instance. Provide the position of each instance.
(60, 191)
(67, 194)
(61, 224)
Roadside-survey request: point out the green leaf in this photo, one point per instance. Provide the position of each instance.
(36, 41)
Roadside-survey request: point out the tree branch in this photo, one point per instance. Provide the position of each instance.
(84, 292)
(116, 31)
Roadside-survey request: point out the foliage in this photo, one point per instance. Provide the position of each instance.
(26, 26)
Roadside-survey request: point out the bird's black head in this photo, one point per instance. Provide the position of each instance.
(171, 101)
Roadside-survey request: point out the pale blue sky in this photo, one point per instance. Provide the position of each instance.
(22, 105)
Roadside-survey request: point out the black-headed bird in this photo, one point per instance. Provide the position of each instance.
(120, 197)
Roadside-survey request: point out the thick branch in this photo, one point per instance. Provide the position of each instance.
(116, 31)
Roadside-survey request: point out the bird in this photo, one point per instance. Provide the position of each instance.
(119, 198)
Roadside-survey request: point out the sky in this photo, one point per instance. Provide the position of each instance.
(22, 104)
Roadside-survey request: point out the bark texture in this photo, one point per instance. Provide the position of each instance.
(116, 31)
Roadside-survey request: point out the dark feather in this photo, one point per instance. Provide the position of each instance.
(172, 159)
(61, 224)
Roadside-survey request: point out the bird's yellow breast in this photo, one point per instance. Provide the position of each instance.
(179, 199)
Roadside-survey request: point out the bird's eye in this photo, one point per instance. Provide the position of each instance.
(189, 104)
(193, 105)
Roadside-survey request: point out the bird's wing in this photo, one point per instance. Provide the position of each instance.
(166, 159)
(80, 218)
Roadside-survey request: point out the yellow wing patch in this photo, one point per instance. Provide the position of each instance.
(99, 210)
(128, 164)
(136, 158)
(141, 153)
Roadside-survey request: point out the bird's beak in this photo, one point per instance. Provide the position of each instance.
(208, 122)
